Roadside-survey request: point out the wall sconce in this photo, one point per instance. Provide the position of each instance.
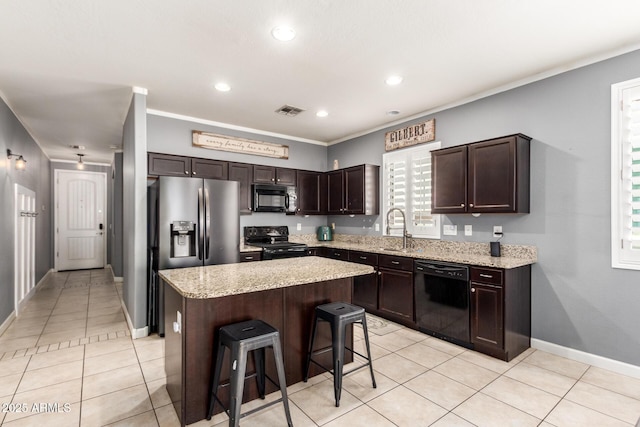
(80, 163)
(21, 163)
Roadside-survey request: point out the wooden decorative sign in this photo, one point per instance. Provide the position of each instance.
(239, 145)
(411, 135)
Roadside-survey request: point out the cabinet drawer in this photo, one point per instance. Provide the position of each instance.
(363, 258)
(342, 254)
(250, 256)
(395, 262)
(486, 275)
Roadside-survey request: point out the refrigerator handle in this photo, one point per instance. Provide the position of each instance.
(200, 224)
(207, 228)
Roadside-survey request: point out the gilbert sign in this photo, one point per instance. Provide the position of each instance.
(410, 135)
(239, 145)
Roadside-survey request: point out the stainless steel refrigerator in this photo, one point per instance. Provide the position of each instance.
(192, 222)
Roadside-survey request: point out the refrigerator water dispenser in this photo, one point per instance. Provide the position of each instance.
(183, 239)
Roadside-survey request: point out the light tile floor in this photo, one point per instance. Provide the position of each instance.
(68, 360)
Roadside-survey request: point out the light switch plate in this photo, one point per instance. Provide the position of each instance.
(377, 227)
(497, 231)
(298, 226)
(468, 230)
(450, 230)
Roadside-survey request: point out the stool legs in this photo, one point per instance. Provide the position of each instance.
(311, 342)
(258, 358)
(366, 341)
(238, 368)
(216, 379)
(338, 340)
(282, 379)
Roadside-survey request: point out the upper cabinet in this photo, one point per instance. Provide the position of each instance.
(168, 165)
(489, 176)
(209, 169)
(273, 175)
(243, 173)
(353, 191)
(312, 194)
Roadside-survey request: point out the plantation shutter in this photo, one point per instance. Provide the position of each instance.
(420, 213)
(397, 182)
(631, 171)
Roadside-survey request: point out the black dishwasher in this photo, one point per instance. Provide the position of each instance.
(442, 300)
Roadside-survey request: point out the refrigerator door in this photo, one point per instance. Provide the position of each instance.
(222, 222)
(178, 230)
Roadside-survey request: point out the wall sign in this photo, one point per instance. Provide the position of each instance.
(411, 135)
(239, 145)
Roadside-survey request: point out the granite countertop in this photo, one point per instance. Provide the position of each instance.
(216, 281)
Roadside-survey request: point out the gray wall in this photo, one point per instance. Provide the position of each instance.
(134, 211)
(36, 177)
(578, 300)
(173, 136)
(115, 227)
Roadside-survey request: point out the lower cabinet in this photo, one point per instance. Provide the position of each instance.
(395, 289)
(365, 288)
(501, 311)
(250, 256)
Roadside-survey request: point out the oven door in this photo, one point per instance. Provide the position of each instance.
(442, 301)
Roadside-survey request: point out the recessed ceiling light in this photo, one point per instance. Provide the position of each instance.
(222, 87)
(393, 112)
(322, 113)
(393, 80)
(283, 33)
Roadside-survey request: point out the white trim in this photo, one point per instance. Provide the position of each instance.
(113, 276)
(135, 333)
(5, 325)
(592, 359)
(233, 127)
(76, 161)
(140, 90)
(617, 90)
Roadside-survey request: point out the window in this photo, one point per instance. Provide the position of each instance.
(625, 175)
(407, 186)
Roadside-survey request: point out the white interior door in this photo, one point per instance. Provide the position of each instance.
(80, 219)
(25, 234)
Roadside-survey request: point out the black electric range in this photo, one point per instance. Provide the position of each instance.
(274, 241)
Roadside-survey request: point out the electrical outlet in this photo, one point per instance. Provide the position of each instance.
(298, 226)
(468, 230)
(497, 231)
(377, 227)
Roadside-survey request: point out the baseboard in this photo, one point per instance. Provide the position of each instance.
(116, 279)
(27, 297)
(5, 325)
(584, 357)
(135, 332)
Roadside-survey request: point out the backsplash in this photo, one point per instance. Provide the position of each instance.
(471, 248)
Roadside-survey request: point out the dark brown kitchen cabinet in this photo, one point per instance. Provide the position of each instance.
(273, 175)
(395, 289)
(312, 197)
(250, 256)
(365, 288)
(209, 169)
(242, 173)
(342, 254)
(489, 176)
(168, 165)
(501, 311)
(353, 191)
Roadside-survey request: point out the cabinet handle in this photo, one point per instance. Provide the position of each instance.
(272, 180)
(186, 172)
(462, 205)
(487, 276)
(278, 179)
(379, 273)
(471, 205)
(248, 257)
(395, 262)
(473, 289)
(194, 172)
(336, 254)
(249, 208)
(363, 257)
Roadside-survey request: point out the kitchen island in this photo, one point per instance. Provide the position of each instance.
(283, 293)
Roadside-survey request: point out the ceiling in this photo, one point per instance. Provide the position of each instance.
(67, 68)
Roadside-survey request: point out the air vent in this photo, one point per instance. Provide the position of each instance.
(289, 110)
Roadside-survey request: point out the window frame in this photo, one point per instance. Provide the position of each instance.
(621, 257)
(407, 154)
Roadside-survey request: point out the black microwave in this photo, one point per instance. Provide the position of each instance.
(274, 198)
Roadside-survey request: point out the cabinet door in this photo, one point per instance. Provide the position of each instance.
(449, 180)
(395, 294)
(250, 256)
(285, 176)
(310, 193)
(168, 165)
(487, 315)
(264, 174)
(365, 288)
(342, 254)
(209, 169)
(354, 190)
(243, 173)
(492, 176)
(335, 192)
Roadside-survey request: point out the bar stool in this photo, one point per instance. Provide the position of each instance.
(339, 315)
(241, 338)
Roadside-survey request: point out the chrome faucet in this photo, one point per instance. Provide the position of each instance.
(405, 235)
